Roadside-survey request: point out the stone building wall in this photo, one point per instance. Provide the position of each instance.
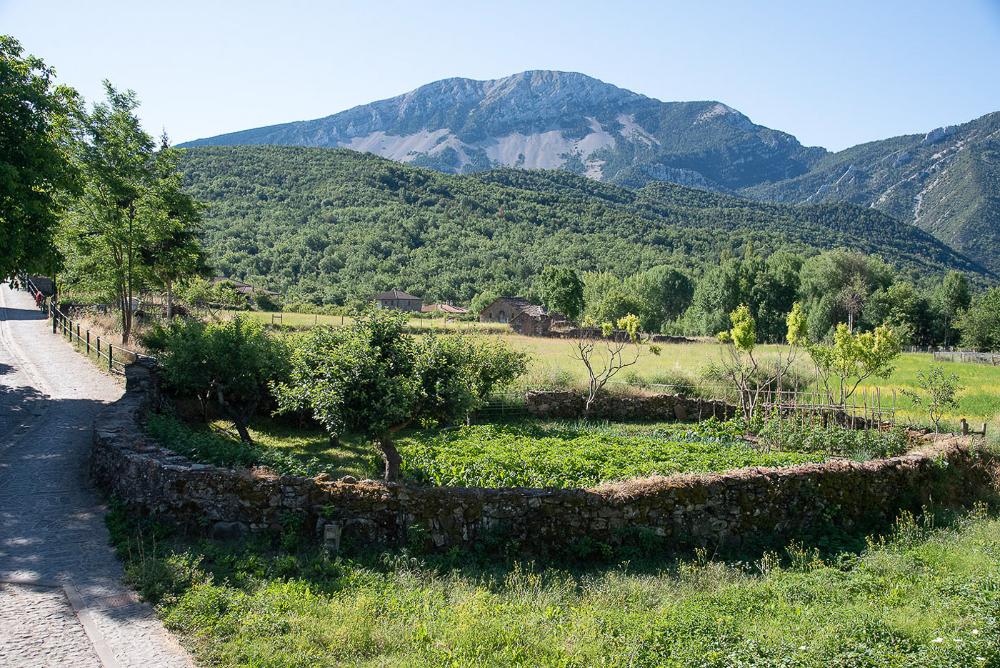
(715, 510)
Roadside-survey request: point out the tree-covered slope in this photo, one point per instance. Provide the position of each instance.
(946, 182)
(328, 224)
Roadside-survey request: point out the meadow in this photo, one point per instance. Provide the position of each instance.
(680, 366)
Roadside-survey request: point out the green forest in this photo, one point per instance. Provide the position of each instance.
(329, 225)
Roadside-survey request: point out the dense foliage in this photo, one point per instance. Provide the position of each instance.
(980, 324)
(230, 364)
(326, 225)
(36, 170)
(372, 378)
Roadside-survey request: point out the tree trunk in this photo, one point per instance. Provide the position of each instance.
(392, 459)
(241, 429)
(170, 300)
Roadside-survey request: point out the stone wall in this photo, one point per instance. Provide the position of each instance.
(659, 407)
(745, 507)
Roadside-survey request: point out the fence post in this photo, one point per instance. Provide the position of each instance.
(88, 343)
(111, 358)
(98, 348)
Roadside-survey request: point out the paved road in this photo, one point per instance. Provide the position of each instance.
(62, 601)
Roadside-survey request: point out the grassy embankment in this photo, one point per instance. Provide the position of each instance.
(923, 596)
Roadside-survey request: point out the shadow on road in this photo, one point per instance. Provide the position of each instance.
(9, 313)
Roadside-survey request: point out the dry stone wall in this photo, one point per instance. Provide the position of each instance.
(750, 506)
(568, 404)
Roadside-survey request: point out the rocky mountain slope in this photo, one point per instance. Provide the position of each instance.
(547, 120)
(946, 182)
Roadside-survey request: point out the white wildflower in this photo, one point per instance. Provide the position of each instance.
(938, 640)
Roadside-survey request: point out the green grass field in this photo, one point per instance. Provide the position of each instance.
(923, 596)
(524, 453)
(553, 365)
(307, 320)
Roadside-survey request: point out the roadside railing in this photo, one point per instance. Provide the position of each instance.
(108, 355)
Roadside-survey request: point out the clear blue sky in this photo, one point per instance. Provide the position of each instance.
(832, 73)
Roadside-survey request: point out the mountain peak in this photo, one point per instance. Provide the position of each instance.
(551, 119)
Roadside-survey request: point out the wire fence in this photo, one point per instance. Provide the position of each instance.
(108, 355)
(993, 359)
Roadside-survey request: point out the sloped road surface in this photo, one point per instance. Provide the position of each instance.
(62, 600)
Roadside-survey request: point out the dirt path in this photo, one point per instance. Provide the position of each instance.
(62, 601)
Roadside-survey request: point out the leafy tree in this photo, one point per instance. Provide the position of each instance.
(903, 308)
(373, 379)
(752, 377)
(173, 250)
(482, 300)
(603, 359)
(562, 291)
(232, 363)
(939, 392)
(951, 298)
(130, 207)
(36, 126)
(853, 358)
(837, 285)
(663, 293)
(980, 323)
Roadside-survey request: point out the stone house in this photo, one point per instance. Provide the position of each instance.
(505, 308)
(399, 300)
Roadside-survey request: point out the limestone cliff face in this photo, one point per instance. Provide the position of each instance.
(946, 181)
(546, 119)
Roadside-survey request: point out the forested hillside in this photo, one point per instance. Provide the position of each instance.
(946, 182)
(329, 224)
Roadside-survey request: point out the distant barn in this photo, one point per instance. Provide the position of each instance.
(399, 300)
(504, 309)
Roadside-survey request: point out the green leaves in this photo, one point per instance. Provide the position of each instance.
(37, 122)
(855, 357)
(372, 378)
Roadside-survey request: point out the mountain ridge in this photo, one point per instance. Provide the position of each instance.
(946, 181)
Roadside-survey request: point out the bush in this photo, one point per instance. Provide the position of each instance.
(231, 363)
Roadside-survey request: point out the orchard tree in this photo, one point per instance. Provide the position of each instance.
(939, 392)
(37, 121)
(231, 364)
(617, 349)
(562, 291)
(373, 379)
(750, 375)
(854, 358)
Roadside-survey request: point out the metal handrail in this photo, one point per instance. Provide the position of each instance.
(64, 325)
